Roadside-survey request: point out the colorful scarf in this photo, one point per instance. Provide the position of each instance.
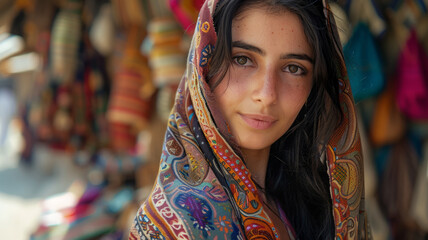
(205, 191)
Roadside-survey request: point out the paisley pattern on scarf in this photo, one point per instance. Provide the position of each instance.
(205, 191)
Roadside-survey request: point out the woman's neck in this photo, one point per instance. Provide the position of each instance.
(256, 161)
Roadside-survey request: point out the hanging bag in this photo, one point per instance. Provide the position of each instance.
(397, 187)
(412, 76)
(388, 124)
(419, 210)
(363, 63)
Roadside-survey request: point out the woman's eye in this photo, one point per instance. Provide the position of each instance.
(242, 60)
(294, 69)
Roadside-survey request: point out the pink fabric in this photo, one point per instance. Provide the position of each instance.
(186, 16)
(412, 74)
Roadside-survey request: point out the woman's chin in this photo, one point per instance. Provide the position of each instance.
(256, 144)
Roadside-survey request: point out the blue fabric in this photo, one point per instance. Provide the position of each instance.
(363, 63)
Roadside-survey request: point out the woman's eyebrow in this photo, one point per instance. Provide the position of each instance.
(249, 47)
(252, 48)
(299, 56)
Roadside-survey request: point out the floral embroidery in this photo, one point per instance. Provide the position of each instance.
(198, 210)
(223, 224)
(206, 54)
(205, 27)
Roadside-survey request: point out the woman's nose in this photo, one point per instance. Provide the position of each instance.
(265, 90)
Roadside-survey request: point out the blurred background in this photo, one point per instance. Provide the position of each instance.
(86, 87)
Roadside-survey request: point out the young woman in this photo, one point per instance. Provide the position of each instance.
(262, 141)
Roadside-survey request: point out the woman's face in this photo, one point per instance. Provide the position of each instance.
(270, 77)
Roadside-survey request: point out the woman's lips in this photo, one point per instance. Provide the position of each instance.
(256, 121)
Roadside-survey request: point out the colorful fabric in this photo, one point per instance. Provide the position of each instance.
(167, 59)
(131, 99)
(205, 191)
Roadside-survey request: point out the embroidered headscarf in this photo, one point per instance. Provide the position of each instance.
(204, 190)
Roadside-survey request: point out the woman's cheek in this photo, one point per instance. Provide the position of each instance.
(239, 82)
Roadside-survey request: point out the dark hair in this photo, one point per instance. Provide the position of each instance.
(296, 174)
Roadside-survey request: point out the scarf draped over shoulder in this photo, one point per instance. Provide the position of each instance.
(204, 190)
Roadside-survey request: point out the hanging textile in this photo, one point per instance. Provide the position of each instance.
(186, 12)
(131, 99)
(65, 42)
(363, 64)
(412, 77)
(388, 124)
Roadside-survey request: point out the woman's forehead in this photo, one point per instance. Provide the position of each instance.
(276, 32)
(265, 6)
